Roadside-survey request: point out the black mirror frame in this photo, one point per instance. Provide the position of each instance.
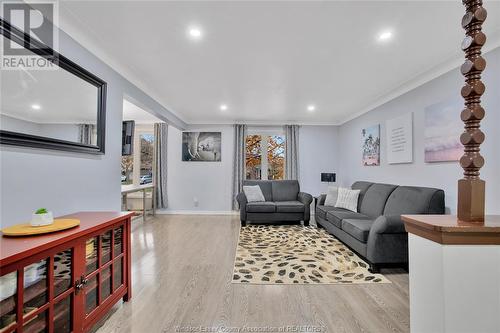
(34, 141)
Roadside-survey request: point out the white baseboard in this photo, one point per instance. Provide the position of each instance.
(196, 212)
(201, 212)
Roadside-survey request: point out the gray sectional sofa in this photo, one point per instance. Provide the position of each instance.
(284, 202)
(377, 232)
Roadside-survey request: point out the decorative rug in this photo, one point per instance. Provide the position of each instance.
(297, 255)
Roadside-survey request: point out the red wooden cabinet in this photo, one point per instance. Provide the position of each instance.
(66, 281)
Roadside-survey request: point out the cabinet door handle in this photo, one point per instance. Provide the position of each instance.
(84, 281)
(78, 286)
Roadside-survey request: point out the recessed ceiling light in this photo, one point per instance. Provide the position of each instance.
(223, 107)
(195, 32)
(385, 36)
(35, 107)
(311, 108)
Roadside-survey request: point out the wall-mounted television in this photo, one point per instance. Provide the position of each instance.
(128, 137)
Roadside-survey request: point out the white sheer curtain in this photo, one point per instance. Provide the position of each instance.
(239, 161)
(291, 151)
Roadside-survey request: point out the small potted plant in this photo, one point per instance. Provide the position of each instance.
(42, 217)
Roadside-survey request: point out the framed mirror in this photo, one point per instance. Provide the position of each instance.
(62, 108)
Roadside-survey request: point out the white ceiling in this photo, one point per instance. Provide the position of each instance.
(133, 112)
(61, 97)
(268, 60)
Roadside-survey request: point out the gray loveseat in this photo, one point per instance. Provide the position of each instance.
(377, 232)
(284, 202)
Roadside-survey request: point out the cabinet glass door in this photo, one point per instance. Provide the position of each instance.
(104, 267)
(36, 324)
(64, 276)
(45, 300)
(35, 296)
(8, 300)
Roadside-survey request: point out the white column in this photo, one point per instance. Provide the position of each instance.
(454, 288)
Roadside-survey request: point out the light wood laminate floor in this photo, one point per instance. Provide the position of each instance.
(182, 270)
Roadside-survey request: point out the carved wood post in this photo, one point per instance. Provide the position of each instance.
(471, 189)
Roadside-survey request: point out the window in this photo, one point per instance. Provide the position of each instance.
(147, 153)
(127, 169)
(265, 156)
(275, 157)
(138, 167)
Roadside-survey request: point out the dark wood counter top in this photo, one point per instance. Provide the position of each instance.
(447, 229)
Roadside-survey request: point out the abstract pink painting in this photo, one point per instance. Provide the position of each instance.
(443, 128)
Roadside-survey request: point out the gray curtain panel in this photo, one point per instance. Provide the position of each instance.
(161, 139)
(292, 151)
(240, 133)
(86, 134)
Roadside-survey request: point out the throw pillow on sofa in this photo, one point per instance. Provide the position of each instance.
(253, 193)
(331, 196)
(348, 199)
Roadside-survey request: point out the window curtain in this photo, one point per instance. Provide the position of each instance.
(161, 140)
(291, 151)
(86, 134)
(240, 133)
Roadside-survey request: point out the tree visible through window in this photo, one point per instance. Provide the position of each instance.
(138, 167)
(147, 152)
(127, 169)
(253, 156)
(273, 164)
(276, 157)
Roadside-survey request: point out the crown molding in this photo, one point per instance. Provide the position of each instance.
(418, 81)
(262, 123)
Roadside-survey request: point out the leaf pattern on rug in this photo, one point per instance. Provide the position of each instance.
(294, 254)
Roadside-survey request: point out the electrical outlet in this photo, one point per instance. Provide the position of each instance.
(195, 202)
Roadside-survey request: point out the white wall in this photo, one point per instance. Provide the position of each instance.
(18, 125)
(68, 132)
(211, 182)
(70, 182)
(318, 152)
(440, 175)
(208, 182)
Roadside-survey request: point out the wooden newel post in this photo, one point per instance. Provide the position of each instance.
(471, 189)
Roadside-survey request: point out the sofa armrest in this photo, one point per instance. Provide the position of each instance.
(305, 198)
(387, 241)
(390, 224)
(321, 200)
(241, 198)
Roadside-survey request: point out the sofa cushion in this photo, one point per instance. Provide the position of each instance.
(415, 200)
(357, 228)
(331, 196)
(348, 199)
(336, 216)
(362, 187)
(261, 207)
(289, 206)
(253, 193)
(285, 190)
(265, 186)
(321, 210)
(375, 198)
